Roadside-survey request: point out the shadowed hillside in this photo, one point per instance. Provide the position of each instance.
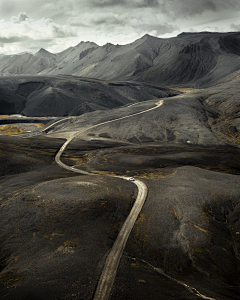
(70, 95)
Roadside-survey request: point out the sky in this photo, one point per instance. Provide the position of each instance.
(28, 25)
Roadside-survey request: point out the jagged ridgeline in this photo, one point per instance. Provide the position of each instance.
(190, 59)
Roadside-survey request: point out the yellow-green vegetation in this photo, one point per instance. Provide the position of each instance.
(140, 234)
(155, 174)
(48, 238)
(173, 211)
(71, 242)
(210, 253)
(104, 158)
(139, 175)
(133, 265)
(222, 127)
(39, 125)
(11, 276)
(104, 172)
(10, 130)
(16, 258)
(142, 281)
(198, 251)
(4, 117)
(103, 202)
(200, 228)
(76, 160)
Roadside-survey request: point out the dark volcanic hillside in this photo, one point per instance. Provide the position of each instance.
(70, 95)
(203, 117)
(190, 59)
(57, 227)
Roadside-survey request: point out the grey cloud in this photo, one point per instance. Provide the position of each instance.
(125, 3)
(146, 3)
(59, 32)
(11, 40)
(7, 7)
(22, 16)
(174, 7)
(192, 8)
(109, 20)
(102, 3)
(160, 28)
(235, 27)
(16, 39)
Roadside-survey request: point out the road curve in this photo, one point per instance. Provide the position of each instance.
(59, 121)
(107, 278)
(108, 275)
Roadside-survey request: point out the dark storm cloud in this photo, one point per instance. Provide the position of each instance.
(191, 8)
(146, 3)
(125, 3)
(101, 3)
(112, 20)
(174, 7)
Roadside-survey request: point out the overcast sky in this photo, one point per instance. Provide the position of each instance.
(28, 25)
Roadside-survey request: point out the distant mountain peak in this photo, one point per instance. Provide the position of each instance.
(44, 52)
(92, 44)
(148, 36)
(108, 45)
(203, 33)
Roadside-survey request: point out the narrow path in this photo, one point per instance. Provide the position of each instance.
(189, 288)
(107, 278)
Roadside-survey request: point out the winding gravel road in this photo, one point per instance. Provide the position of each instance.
(107, 278)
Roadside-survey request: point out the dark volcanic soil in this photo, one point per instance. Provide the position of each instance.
(57, 227)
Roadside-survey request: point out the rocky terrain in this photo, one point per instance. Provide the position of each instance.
(190, 59)
(57, 226)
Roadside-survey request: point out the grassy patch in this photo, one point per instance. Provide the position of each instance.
(39, 125)
(10, 130)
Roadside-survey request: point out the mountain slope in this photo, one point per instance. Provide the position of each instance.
(204, 117)
(70, 95)
(190, 59)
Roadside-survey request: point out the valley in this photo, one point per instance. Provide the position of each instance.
(122, 186)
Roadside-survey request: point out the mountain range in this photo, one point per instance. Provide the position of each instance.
(189, 60)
